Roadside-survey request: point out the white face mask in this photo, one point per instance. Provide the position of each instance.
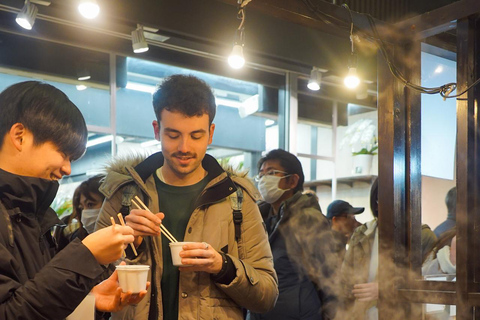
(268, 187)
(89, 217)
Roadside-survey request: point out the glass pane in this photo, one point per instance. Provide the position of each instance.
(439, 311)
(438, 143)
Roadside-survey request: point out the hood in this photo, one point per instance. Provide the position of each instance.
(136, 167)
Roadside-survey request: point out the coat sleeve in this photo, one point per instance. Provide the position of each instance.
(255, 286)
(55, 291)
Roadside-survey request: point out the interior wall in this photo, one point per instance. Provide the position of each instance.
(434, 191)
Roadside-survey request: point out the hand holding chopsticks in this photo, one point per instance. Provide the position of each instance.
(122, 222)
(140, 205)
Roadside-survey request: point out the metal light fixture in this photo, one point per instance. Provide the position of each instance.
(236, 59)
(362, 92)
(26, 17)
(315, 81)
(139, 43)
(89, 8)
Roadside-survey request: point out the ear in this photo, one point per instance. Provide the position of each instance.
(293, 181)
(17, 134)
(156, 129)
(210, 133)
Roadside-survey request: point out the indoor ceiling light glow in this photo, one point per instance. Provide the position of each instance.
(351, 80)
(89, 8)
(236, 59)
(26, 17)
(81, 87)
(315, 80)
(139, 43)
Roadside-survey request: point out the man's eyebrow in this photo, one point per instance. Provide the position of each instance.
(177, 131)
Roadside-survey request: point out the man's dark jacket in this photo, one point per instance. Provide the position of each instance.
(33, 285)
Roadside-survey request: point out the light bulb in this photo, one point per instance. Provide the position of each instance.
(89, 9)
(236, 59)
(351, 81)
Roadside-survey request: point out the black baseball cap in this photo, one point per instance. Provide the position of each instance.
(340, 207)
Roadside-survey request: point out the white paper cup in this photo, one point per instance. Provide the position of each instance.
(133, 277)
(175, 248)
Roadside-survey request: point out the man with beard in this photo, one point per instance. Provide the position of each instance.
(188, 192)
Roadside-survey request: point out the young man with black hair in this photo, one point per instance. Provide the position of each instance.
(42, 132)
(301, 241)
(190, 192)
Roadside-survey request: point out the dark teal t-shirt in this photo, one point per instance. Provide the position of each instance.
(177, 203)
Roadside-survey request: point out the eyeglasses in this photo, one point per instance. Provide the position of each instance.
(269, 173)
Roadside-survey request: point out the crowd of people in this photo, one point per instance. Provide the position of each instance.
(255, 252)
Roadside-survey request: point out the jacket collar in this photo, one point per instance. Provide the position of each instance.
(29, 196)
(219, 187)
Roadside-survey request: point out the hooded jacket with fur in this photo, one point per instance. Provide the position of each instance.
(200, 297)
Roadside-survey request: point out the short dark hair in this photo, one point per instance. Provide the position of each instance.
(374, 198)
(288, 161)
(451, 202)
(46, 112)
(185, 94)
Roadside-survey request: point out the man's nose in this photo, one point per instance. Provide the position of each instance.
(66, 169)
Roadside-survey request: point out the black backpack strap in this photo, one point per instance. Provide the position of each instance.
(236, 201)
(128, 193)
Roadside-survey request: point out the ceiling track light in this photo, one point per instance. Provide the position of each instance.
(139, 43)
(26, 17)
(89, 9)
(315, 81)
(236, 60)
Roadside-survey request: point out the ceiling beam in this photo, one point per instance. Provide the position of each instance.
(439, 20)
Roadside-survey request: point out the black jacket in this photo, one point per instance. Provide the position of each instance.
(33, 285)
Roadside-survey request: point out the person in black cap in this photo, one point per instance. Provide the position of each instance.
(342, 220)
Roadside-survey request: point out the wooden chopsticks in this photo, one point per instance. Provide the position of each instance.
(113, 225)
(140, 205)
(122, 222)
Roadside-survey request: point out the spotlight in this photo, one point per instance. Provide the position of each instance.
(139, 43)
(315, 80)
(26, 17)
(83, 75)
(236, 59)
(89, 8)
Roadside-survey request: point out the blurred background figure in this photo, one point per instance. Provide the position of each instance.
(342, 219)
(360, 267)
(87, 201)
(442, 258)
(301, 242)
(451, 202)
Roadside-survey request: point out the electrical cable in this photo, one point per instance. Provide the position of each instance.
(443, 90)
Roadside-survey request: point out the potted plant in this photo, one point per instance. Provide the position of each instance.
(361, 137)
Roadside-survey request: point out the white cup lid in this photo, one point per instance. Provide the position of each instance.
(134, 267)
